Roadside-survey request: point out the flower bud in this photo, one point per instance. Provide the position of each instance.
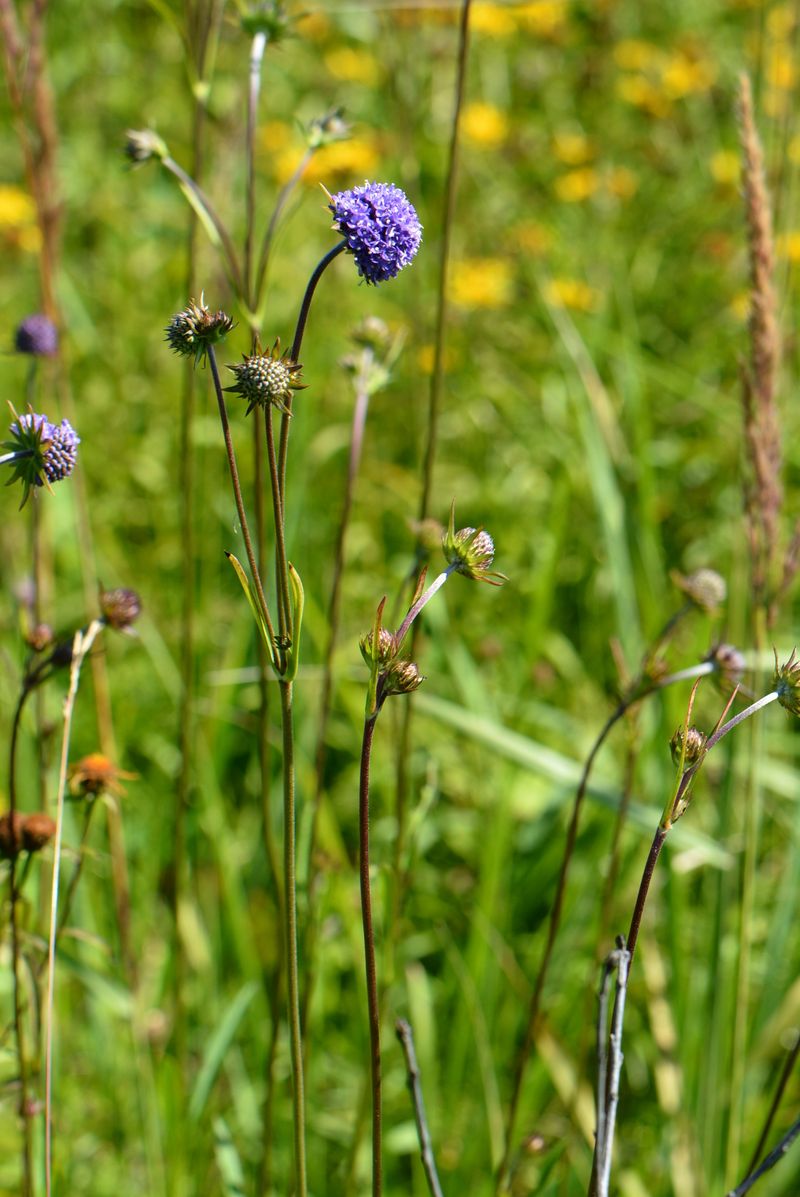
(695, 746)
(120, 608)
(191, 331)
(402, 677)
(323, 130)
(705, 588)
(40, 637)
(37, 335)
(729, 664)
(10, 834)
(786, 682)
(143, 144)
(387, 648)
(37, 830)
(470, 551)
(372, 333)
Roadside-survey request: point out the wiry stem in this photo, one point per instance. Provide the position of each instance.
(406, 1037)
(19, 1031)
(369, 953)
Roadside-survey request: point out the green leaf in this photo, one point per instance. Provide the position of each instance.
(217, 1046)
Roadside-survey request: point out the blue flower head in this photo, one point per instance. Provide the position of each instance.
(380, 227)
(37, 335)
(40, 452)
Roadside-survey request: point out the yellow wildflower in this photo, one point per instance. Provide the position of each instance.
(339, 160)
(634, 55)
(484, 125)
(683, 75)
(532, 237)
(572, 147)
(276, 135)
(543, 18)
(571, 293)
(17, 208)
(354, 66)
(781, 71)
(577, 185)
(726, 167)
(495, 20)
(481, 283)
(788, 246)
(622, 182)
(29, 239)
(642, 93)
(425, 359)
(781, 20)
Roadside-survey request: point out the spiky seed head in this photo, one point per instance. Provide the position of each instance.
(37, 830)
(37, 335)
(267, 378)
(269, 17)
(143, 144)
(120, 607)
(402, 677)
(191, 331)
(704, 588)
(786, 682)
(695, 746)
(386, 650)
(380, 227)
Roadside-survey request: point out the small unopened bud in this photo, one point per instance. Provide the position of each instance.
(372, 333)
(705, 588)
(323, 130)
(695, 746)
(37, 830)
(143, 144)
(402, 677)
(471, 551)
(120, 608)
(39, 637)
(191, 331)
(386, 651)
(729, 664)
(786, 683)
(269, 17)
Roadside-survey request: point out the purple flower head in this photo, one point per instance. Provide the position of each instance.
(40, 452)
(37, 335)
(380, 227)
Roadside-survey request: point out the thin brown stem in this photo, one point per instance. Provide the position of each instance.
(373, 1007)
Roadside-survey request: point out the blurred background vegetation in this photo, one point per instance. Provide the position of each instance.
(591, 421)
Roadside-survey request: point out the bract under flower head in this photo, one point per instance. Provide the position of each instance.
(191, 331)
(43, 452)
(37, 335)
(267, 378)
(380, 227)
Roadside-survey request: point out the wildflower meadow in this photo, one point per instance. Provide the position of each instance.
(400, 550)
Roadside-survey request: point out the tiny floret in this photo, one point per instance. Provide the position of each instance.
(191, 331)
(267, 378)
(705, 589)
(380, 227)
(37, 335)
(786, 683)
(470, 551)
(40, 452)
(120, 608)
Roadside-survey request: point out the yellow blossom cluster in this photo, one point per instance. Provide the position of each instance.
(18, 225)
(654, 79)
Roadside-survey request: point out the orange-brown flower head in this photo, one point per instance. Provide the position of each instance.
(695, 746)
(95, 774)
(120, 607)
(37, 830)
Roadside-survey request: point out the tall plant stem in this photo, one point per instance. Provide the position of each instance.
(19, 1030)
(334, 612)
(281, 563)
(81, 646)
(237, 495)
(786, 1072)
(257, 48)
(369, 953)
(290, 911)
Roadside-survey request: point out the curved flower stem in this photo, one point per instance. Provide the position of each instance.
(257, 48)
(81, 646)
(290, 907)
(423, 601)
(369, 952)
(237, 493)
(294, 353)
(200, 201)
(769, 1161)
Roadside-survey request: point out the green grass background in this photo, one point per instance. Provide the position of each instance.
(601, 448)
